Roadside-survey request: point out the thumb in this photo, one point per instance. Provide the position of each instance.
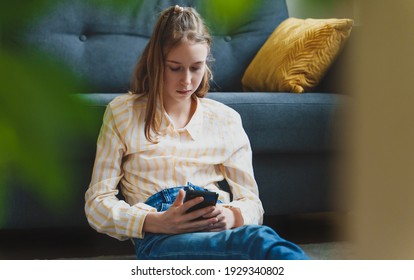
(179, 199)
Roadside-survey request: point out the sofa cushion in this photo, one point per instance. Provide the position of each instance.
(276, 122)
(288, 123)
(297, 55)
(102, 44)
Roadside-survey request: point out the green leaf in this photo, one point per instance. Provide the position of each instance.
(37, 122)
(223, 16)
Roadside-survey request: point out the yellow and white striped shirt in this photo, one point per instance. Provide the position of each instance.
(212, 147)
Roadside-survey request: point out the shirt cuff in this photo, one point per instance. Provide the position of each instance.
(137, 225)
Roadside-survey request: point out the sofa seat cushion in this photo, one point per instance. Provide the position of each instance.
(287, 123)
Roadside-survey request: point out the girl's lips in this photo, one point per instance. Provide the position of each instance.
(184, 91)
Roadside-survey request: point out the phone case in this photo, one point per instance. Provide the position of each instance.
(210, 199)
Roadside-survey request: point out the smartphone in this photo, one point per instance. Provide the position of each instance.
(210, 199)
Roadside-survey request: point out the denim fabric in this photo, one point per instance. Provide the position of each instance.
(163, 199)
(246, 242)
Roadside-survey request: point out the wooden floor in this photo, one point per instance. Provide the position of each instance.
(86, 243)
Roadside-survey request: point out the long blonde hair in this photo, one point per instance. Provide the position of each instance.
(175, 25)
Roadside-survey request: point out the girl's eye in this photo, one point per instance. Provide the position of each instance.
(176, 69)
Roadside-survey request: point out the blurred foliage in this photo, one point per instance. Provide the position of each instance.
(40, 116)
(321, 8)
(22, 11)
(222, 16)
(38, 120)
(319, 4)
(119, 5)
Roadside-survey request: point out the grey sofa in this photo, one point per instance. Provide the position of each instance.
(292, 135)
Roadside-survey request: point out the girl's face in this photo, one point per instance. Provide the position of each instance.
(184, 69)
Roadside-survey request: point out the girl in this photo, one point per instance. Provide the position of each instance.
(164, 134)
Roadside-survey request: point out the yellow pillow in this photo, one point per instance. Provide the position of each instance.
(296, 55)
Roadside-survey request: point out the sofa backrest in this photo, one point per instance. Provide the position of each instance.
(102, 44)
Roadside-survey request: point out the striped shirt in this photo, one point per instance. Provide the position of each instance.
(213, 146)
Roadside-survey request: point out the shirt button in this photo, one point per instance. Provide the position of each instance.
(83, 37)
(227, 38)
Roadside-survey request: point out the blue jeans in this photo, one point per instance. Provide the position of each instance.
(246, 242)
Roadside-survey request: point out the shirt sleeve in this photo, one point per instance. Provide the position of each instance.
(238, 172)
(104, 211)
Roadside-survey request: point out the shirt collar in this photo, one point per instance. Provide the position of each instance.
(195, 126)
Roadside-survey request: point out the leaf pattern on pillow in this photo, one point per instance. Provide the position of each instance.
(296, 55)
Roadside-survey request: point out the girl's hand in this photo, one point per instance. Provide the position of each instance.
(176, 219)
(226, 219)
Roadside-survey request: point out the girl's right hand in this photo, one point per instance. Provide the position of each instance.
(176, 219)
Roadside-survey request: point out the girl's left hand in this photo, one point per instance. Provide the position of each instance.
(225, 216)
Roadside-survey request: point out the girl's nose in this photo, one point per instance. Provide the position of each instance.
(186, 78)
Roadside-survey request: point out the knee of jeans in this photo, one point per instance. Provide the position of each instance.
(260, 231)
(269, 230)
